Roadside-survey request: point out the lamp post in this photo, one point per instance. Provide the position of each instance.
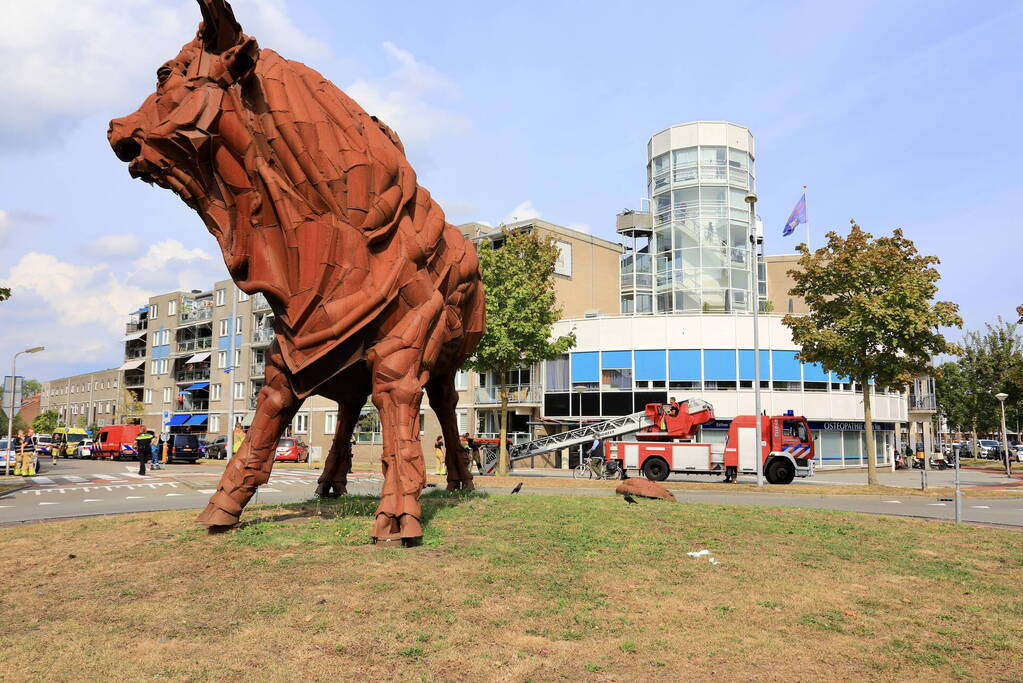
(751, 199)
(10, 413)
(1001, 396)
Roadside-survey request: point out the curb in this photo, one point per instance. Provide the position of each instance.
(14, 490)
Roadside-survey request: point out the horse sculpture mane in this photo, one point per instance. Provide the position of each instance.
(314, 204)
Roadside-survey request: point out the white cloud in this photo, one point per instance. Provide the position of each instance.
(79, 310)
(402, 99)
(523, 212)
(65, 61)
(118, 246)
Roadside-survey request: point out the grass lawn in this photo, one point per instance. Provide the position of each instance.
(991, 465)
(512, 588)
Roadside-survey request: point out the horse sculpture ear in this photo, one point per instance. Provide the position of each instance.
(220, 31)
(240, 60)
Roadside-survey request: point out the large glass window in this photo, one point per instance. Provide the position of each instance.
(660, 172)
(685, 165)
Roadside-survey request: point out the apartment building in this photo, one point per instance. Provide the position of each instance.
(92, 398)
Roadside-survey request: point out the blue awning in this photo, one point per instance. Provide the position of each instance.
(197, 420)
(141, 310)
(197, 385)
(178, 420)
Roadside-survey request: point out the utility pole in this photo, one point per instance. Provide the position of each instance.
(751, 199)
(10, 413)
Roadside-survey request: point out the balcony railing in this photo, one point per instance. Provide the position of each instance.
(130, 354)
(257, 369)
(194, 406)
(200, 344)
(516, 394)
(137, 326)
(196, 314)
(136, 380)
(263, 335)
(922, 402)
(196, 375)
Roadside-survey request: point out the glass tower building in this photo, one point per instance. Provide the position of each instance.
(692, 255)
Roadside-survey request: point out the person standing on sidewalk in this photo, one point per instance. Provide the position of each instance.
(143, 448)
(26, 450)
(156, 448)
(438, 455)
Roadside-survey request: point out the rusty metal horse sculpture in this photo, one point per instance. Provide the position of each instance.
(314, 204)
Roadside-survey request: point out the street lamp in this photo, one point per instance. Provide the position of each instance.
(1001, 396)
(751, 199)
(10, 413)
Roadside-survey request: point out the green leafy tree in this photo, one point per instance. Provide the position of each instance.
(31, 387)
(131, 409)
(5, 294)
(872, 314)
(45, 422)
(521, 309)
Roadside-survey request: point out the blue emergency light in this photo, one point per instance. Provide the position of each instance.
(790, 413)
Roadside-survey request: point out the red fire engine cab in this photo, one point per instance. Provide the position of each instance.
(667, 444)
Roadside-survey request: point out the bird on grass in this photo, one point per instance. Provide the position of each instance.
(630, 500)
(518, 487)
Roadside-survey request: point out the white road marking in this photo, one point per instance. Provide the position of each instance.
(130, 497)
(109, 477)
(133, 475)
(175, 494)
(74, 479)
(207, 490)
(937, 504)
(269, 490)
(894, 501)
(6, 506)
(93, 500)
(42, 480)
(46, 503)
(981, 507)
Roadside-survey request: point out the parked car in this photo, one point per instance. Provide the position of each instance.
(986, 448)
(291, 450)
(217, 448)
(183, 447)
(1017, 452)
(43, 444)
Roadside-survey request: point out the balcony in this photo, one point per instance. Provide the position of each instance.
(131, 354)
(136, 326)
(530, 393)
(133, 381)
(262, 335)
(192, 345)
(194, 315)
(922, 402)
(257, 369)
(259, 302)
(196, 375)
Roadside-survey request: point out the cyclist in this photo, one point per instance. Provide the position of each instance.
(595, 457)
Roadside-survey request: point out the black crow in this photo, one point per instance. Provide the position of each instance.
(518, 487)
(629, 499)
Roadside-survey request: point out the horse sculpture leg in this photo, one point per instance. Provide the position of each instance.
(444, 399)
(333, 481)
(250, 467)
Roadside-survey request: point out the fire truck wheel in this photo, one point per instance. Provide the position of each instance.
(655, 469)
(780, 472)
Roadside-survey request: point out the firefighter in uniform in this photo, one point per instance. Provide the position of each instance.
(25, 464)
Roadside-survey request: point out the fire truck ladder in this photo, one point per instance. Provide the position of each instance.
(573, 437)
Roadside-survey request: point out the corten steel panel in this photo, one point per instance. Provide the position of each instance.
(314, 205)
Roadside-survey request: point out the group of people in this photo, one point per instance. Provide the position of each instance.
(472, 450)
(149, 447)
(24, 447)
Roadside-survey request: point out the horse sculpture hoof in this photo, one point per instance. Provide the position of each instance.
(217, 519)
(406, 530)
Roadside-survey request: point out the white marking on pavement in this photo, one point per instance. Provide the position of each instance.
(981, 507)
(207, 490)
(42, 480)
(133, 475)
(6, 506)
(894, 501)
(93, 500)
(73, 478)
(45, 503)
(937, 504)
(109, 477)
(130, 497)
(175, 494)
(269, 490)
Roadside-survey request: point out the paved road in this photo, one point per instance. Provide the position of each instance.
(85, 487)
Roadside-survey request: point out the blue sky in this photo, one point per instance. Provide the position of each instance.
(897, 114)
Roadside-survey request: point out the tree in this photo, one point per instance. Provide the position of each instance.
(31, 387)
(521, 309)
(131, 409)
(45, 422)
(5, 294)
(871, 316)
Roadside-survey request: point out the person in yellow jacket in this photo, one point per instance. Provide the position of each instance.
(26, 449)
(438, 455)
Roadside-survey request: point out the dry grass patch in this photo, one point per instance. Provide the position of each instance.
(512, 588)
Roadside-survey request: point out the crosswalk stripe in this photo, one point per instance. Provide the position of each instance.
(135, 475)
(44, 503)
(937, 504)
(74, 478)
(108, 477)
(42, 480)
(93, 500)
(175, 494)
(269, 490)
(894, 501)
(981, 507)
(207, 490)
(129, 497)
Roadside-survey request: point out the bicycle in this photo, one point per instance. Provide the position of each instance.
(595, 468)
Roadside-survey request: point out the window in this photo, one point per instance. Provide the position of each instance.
(220, 297)
(223, 327)
(155, 368)
(214, 392)
(172, 307)
(242, 296)
(330, 423)
(154, 310)
(461, 380)
(300, 425)
(239, 389)
(214, 423)
(221, 359)
(147, 396)
(237, 357)
(167, 395)
(238, 325)
(563, 265)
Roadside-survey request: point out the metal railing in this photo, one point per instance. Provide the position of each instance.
(257, 369)
(196, 375)
(130, 354)
(134, 380)
(261, 335)
(140, 326)
(194, 406)
(516, 394)
(923, 402)
(259, 302)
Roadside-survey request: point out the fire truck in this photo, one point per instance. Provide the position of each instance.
(660, 441)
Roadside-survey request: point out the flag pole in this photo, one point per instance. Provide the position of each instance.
(807, 215)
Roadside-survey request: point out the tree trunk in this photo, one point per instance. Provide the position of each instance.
(868, 432)
(502, 446)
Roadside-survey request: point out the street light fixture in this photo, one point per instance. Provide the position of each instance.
(1001, 396)
(751, 199)
(10, 413)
